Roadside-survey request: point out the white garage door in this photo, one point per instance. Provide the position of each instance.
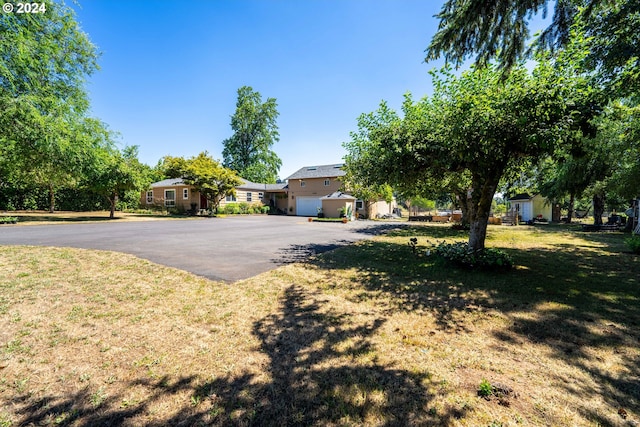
(308, 206)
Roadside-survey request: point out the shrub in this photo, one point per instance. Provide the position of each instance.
(244, 208)
(633, 243)
(485, 259)
(8, 219)
(485, 389)
(231, 209)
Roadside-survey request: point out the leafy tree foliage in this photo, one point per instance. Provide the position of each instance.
(44, 61)
(111, 172)
(206, 176)
(248, 151)
(499, 30)
(477, 125)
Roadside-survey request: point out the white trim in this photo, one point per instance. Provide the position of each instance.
(149, 199)
(185, 194)
(249, 196)
(327, 182)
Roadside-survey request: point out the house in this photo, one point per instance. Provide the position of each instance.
(530, 207)
(306, 192)
(273, 195)
(174, 193)
(308, 185)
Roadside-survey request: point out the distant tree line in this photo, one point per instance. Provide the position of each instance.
(54, 155)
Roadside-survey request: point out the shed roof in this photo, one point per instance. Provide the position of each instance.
(521, 196)
(338, 195)
(321, 171)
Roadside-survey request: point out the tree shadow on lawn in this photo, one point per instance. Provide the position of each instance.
(577, 299)
(301, 253)
(320, 372)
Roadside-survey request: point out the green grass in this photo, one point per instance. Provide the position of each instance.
(369, 334)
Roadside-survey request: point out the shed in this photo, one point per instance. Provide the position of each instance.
(333, 205)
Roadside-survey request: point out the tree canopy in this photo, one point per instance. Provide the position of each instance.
(477, 125)
(205, 174)
(499, 30)
(248, 151)
(47, 139)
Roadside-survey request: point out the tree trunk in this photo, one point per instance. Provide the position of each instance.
(484, 188)
(572, 198)
(112, 202)
(465, 202)
(52, 198)
(598, 208)
(367, 208)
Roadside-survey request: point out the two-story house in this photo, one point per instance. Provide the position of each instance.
(308, 185)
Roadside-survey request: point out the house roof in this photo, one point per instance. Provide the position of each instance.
(338, 195)
(521, 196)
(171, 182)
(248, 185)
(321, 171)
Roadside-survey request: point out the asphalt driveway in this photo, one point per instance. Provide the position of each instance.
(228, 249)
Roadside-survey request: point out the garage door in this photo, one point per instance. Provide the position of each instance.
(308, 206)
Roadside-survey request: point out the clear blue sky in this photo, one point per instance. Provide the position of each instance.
(170, 70)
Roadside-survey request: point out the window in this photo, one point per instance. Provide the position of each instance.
(359, 204)
(249, 196)
(169, 198)
(185, 193)
(260, 196)
(327, 182)
(302, 183)
(149, 197)
(230, 198)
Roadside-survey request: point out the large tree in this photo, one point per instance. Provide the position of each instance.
(479, 124)
(45, 59)
(110, 172)
(499, 30)
(248, 151)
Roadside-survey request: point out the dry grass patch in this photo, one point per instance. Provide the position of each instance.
(365, 335)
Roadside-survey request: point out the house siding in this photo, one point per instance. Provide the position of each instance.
(181, 203)
(314, 187)
(541, 206)
(331, 208)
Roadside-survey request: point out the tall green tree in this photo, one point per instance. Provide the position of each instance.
(45, 59)
(499, 30)
(478, 124)
(115, 172)
(248, 151)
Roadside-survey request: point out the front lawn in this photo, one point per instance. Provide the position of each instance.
(369, 334)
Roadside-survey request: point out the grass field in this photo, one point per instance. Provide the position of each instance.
(365, 335)
(39, 217)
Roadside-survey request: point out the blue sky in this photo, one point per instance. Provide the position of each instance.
(170, 70)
